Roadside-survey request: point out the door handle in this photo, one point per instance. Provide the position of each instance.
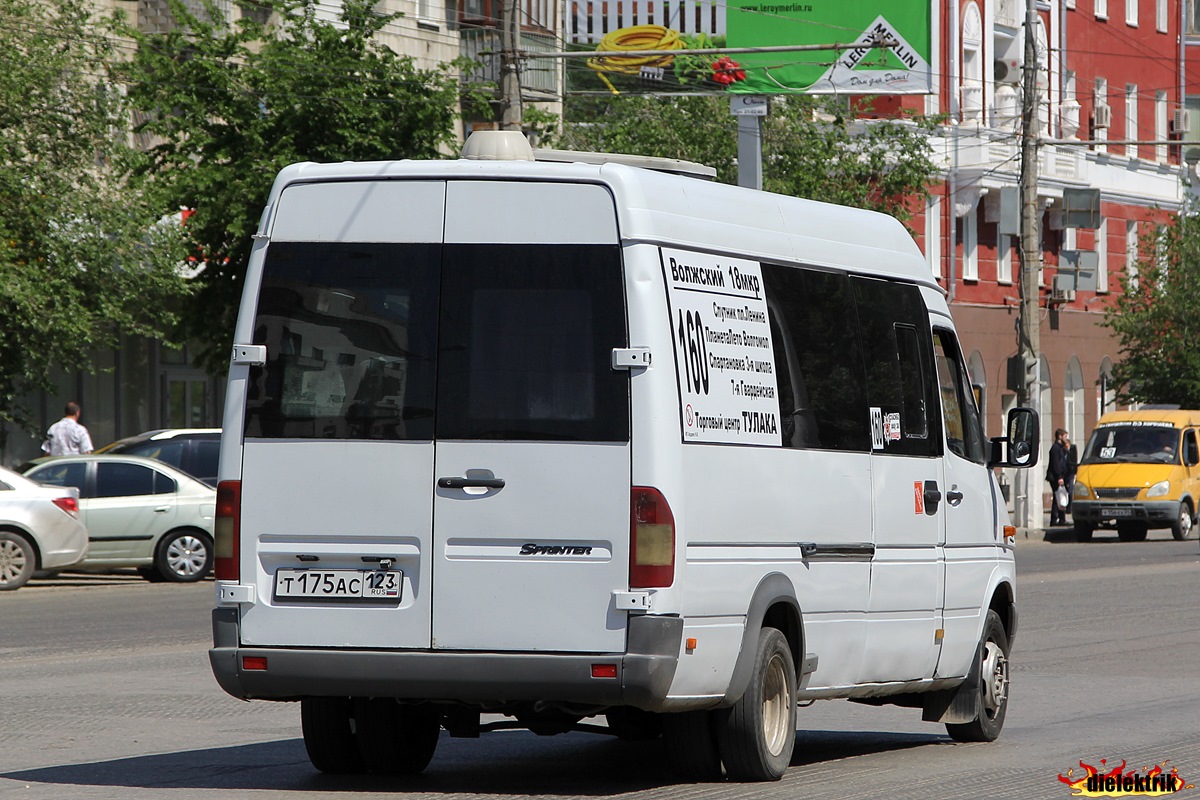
(464, 483)
(954, 496)
(162, 509)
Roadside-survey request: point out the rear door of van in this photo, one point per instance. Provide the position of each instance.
(438, 419)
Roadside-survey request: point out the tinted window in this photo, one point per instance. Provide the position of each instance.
(898, 350)
(123, 480)
(526, 340)
(818, 359)
(960, 417)
(164, 484)
(202, 460)
(74, 474)
(170, 452)
(350, 334)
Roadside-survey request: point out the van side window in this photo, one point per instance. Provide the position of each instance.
(818, 360)
(897, 347)
(1191, 453)
(964, 436)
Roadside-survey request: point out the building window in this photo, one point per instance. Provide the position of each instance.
(1102, 256)
(1100, 99)
(1193, 16)
(972, 64)
(1131, 119)
(933, 235)
(1131, 13)
(1004, 258)
(970, 246)
(1160, 126)
(1102, 9)
(1160, 15)
(1131, 253)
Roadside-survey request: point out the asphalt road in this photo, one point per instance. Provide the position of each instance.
(105, 692)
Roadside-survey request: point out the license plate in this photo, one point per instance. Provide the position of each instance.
(1116, 512)
(339, 585)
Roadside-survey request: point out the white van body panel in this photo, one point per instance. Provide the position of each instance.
(891, 596)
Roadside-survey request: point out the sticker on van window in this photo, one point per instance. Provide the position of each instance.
(724, 354)
(876, 428)
(891, 426)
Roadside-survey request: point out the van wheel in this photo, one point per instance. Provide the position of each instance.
(396, 738)
(690, 740)
(1131, 533)
(184, 556)
(17, 561)
(1182, 528)
(993, 686)
(328, 726)
(759, 732)
(1083, 532)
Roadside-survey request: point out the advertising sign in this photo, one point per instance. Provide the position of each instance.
(684, 50)
(723, 351)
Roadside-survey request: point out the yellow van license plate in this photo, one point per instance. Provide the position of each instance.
(1116, 512)
(338, 584)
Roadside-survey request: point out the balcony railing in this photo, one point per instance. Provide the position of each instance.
(591, 19)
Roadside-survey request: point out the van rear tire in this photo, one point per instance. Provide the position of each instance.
(690, 739)
(1133, 532)
(758, 734)
(396, 738)
(992, 685)
(328, 726)
(1083, 531)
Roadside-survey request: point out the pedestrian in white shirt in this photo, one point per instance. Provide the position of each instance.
(67, 437)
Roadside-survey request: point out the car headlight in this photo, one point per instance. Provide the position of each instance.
(1160, 489)
(1082, 491)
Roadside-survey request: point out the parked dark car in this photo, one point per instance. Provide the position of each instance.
(193, 450)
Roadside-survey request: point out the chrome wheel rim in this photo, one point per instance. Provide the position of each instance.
(776, 706)
(994, 672)
(186, 556)
(1185, 519)
(12, 561)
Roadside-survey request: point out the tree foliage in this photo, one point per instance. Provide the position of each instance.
(1156, 320)
(228, 105)
(82, 259)
(813, 147)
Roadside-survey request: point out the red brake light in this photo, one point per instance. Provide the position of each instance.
(68, 504)
(651, 540)
(227, 531)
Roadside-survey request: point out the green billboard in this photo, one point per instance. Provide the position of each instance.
(687, 50)
(902, 68)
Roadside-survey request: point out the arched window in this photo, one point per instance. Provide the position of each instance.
(1073, 410)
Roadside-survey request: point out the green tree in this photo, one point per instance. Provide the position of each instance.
(228, 105)
(1156, 319)
(813, 147)
(82, 259)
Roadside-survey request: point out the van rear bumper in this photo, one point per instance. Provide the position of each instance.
(643, 674)
(1157, 514)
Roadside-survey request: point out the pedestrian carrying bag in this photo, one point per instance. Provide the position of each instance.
(1061, 497)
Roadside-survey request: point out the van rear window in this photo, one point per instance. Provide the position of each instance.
(423, 341)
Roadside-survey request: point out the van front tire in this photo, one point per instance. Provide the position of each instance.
(759, 733)
(1184, 522)
(992, 686)
(328, 726)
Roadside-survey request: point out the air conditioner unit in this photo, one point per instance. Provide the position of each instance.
(1102, 115)
(1182, 121)
(1009, 57)
(1058, 295)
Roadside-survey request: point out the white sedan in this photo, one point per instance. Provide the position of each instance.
(139, 512)
(39, 529)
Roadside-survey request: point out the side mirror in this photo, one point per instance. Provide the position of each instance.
(1022, 441)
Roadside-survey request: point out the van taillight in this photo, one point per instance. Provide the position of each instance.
(227, 531)
(651, 540)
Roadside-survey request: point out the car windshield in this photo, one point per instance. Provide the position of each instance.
(1140, 443)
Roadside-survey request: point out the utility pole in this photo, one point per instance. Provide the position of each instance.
(1028, 506)
(510, 76)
